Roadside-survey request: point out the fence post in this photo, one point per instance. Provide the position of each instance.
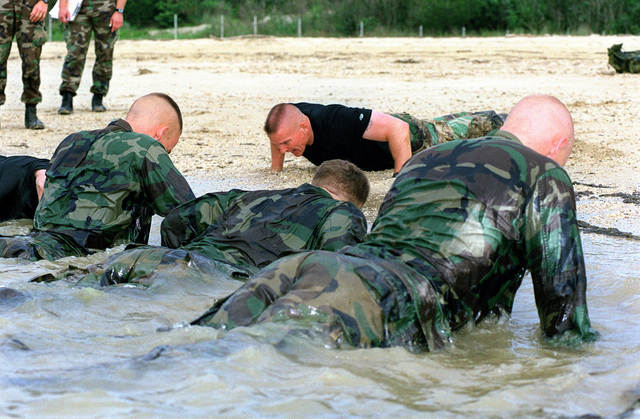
(255, 25)
(175, 26)
(49, 28)
(221, 26)
(464, 32)
(299, 27)
(361, 28)
(420, 31)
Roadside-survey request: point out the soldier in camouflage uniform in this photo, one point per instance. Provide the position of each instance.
(103, 18)
(370, 139)
(24, 19)
(103, 186)
(453, 239)
(239, 232)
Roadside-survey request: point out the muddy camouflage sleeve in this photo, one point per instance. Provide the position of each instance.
(164, 185)
(191, 219)
(556, 262)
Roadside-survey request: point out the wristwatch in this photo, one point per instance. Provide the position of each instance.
(121, 11)
(46, 1)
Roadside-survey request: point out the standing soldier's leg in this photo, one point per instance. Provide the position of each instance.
(7, 30)
(31, 37)
(105, 42)
(77, 35)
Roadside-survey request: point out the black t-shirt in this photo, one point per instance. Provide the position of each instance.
(337, 134)
(18, 193)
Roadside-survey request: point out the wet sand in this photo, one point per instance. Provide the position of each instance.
(225, 89)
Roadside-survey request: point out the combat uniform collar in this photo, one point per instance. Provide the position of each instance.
(120, 124)
(506, 135)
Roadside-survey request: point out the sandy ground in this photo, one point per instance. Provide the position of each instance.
(226, 87)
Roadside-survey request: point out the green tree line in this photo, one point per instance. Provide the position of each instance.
(394, 17)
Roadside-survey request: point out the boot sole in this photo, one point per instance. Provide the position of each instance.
(65, 111)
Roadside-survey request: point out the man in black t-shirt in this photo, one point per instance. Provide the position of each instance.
(370, 139)
(21, 183)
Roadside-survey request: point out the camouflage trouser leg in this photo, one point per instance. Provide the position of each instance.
(38, 246)
(105, 42)
(457, 126)
(77, 35)
(93, 18)
(7, 31)
(342, 296)
(134, 266)
(14, 20)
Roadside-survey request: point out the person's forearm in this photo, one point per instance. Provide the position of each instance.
(120, 4)
(40, 177)
(400, 147)
(277, 160)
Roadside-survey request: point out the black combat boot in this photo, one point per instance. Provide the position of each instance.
(67, 104)
(96, 103)
(31, 120)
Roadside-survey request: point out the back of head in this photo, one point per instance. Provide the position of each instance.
(282, 113)
(157, 115)
(344, 180)
(544, 124)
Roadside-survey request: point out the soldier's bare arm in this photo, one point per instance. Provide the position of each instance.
(383, 127)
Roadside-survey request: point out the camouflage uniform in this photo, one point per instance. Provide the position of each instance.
(457, 126)
(94, 16)
(454, 237)
(242, 232)
(30, 37)
(101, 191)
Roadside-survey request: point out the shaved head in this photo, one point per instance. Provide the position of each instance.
(280, 115)
(158, 116)
(289, 130)
(544, 124)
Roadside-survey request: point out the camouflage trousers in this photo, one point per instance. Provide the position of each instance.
(361, 302)
(94, 17)
(40, 245)
(140, 264)
(30, 37)
(457, 126)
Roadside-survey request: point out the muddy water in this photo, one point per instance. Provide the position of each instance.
(126, 351)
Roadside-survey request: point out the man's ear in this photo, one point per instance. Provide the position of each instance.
(557, 146)
(160, 131)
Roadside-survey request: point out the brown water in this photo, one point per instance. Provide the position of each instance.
(81, 351)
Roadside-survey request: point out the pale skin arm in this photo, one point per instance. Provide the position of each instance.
(383, 127)
(64, 15)
(38, 12)
(40, 178)
(117, 19)
(277, 159)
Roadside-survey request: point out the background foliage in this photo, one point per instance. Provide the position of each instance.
(392, 17)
